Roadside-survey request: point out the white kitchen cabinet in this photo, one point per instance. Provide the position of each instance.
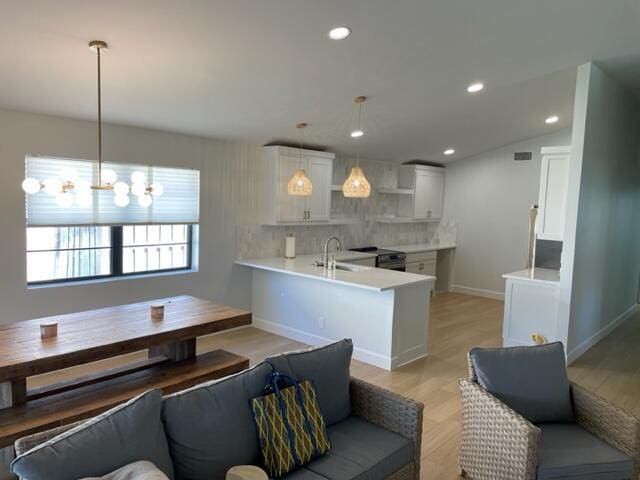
(320, 171)
(282, 208)
(422, 263)
(428, 267)
(427, 184)
(530, 309)
(552, 199)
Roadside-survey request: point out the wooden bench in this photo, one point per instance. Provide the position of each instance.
(70, 405)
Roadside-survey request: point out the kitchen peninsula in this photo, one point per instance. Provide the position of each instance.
(384, 312)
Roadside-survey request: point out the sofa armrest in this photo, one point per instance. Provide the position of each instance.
(390, 411)
(24, 444)
(608, 422)
(497, 443)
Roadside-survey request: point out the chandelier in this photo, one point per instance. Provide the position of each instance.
(68, 189)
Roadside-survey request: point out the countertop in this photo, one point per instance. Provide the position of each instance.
(377, 279)
(420, 247)
(540, 275)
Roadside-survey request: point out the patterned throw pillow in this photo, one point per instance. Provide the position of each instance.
(290, 426)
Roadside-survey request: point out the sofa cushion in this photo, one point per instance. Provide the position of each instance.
(328, 368)
(142, 470)
(125, 434)
(567, 451)
(210, 427)
(531, 380)
(362, 450)
(303, 474)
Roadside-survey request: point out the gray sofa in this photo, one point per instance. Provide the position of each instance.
(375, 434)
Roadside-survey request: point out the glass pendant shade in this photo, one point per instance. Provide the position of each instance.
(356, 185)
(299, 185)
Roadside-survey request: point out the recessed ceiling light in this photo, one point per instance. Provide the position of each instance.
(475, 87)
(552, 119)
(357, 133)
(449, 151)
(339, 33)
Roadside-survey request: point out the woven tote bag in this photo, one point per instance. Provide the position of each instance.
(290, 426)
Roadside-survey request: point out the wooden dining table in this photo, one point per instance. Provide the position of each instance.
(171, 363)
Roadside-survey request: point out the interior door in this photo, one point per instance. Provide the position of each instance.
(320, 171)
(553, 197)
(290, 208)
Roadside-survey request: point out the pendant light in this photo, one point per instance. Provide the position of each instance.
(68, 189)
(300, 185)
(356, 185)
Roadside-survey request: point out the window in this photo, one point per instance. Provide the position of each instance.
(62, 254)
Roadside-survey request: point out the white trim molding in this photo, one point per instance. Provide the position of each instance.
(366, 356)
(478, 292)
(575, 353)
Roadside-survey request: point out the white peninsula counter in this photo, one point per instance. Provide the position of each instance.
(384, 312)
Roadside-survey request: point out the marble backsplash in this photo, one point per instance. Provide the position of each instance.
(262, 241)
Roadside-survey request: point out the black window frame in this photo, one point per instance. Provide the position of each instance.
(116, 251)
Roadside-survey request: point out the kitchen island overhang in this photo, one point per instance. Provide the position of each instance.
(384, 312)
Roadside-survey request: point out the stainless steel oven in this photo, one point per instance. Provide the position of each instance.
(388, 259)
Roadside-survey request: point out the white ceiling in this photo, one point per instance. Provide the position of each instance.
(251, 69)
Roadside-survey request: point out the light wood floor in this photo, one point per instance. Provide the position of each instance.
(458, 322)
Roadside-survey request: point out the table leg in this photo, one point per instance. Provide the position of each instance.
(176, 351)
(13, 392)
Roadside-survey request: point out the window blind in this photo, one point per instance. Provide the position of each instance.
(179, 204)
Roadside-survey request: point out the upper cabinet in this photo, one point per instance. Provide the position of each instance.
(553, 193)
(282, 208)
(427, 184)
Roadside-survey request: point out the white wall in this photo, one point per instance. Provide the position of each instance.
(231, 205)
(489, 196)
(230, 189)
(601, 255)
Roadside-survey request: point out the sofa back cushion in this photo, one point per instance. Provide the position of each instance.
(128, 433)
(531, 380)
(210, 427)
(328, 368)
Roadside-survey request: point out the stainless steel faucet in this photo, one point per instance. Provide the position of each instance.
(325, 258)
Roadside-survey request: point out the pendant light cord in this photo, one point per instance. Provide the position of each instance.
(99, 121)
(301, 136)
(359, 128)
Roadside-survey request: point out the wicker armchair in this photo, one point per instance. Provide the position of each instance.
(499, 444)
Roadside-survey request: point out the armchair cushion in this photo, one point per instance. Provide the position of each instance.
(531, 380)
(567, 451)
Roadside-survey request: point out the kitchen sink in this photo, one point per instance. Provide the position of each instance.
(348, 267)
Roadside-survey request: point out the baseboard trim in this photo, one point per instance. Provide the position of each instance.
(478, 292)
(574, 354)
(293, 333)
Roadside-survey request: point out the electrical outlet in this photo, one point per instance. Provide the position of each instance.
(322, 322)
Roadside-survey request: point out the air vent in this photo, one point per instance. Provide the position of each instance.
(522, 156)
